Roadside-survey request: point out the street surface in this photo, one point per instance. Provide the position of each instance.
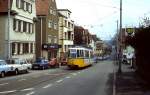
(94, 80)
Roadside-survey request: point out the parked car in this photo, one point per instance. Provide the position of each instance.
(53, 63)
(4, 68)
(17, 65)
(40, 63)
(27, 64)
(95, 59)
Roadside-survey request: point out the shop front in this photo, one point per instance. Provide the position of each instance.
(50, 50)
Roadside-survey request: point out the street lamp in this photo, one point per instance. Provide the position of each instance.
(120, 49)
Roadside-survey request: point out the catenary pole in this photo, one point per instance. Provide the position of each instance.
(120, 49)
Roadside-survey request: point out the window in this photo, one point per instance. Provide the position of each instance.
(19, 25)
(18, 48)
(24, 26)
(30, 8)
(51, 11)
(18, 3)
(55, 40)
(55, 26)
(65, 23)
(21, 4)
(13, 48)
(49, 39)
(25, 48)
(24, 6)
(50, 24)
(27, 6)
(31, 47)
(31, 29)
(14, 24)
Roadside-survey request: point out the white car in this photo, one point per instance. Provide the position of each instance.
(17, 65)
(4, 68)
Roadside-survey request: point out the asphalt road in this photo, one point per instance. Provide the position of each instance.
(94, 80)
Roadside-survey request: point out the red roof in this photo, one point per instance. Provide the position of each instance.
(4, 5)
(42, 7)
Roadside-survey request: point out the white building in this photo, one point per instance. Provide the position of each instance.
(66, 31)
(21, 29)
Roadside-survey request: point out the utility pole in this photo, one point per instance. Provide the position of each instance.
(120, 49)
(8, 32)
(117, 43)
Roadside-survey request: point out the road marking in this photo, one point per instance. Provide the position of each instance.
(49, 85)
(68, 77)
(31, 93)
(79, 72)
(3, 84)
(74, 74)
(36, 76)
(27, 89)
(59, 81)
(55, 74)
(4, 92)
(22, 79)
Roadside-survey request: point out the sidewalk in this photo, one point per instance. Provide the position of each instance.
(128, 83)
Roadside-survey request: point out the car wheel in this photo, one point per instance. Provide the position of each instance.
(2, 74)
(16, 72)
(27, 70)
(43, 67)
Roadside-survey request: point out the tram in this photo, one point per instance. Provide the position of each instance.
(79, 57)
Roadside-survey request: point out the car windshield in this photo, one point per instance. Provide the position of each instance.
(2, 62)
(13, 61)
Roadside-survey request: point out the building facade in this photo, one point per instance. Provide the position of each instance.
(66, 31)
(47, 29)
(81, 36)
(17, 34)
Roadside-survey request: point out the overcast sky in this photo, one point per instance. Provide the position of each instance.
(100, 16)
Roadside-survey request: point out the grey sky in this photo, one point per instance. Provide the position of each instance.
(100, 16)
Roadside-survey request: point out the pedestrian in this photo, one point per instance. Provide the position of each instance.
(130, 58)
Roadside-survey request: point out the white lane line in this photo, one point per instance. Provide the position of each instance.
(3, 84)
(49, 85)
(68, 77)
(79, 72)
(36, 76)
(59, 81)
(27, 89)
(31, 93)
(4, 92)
(74, 74)
(22, 79)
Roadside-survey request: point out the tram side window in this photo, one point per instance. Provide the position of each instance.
(87, 54)
(91, 54)
(72, 54)
(82, 54)
(78, 53)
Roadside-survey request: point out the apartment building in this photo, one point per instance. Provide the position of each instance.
(81, 36)
(66, 31)
(47, 29)
(17, 30)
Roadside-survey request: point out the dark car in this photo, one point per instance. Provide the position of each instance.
(40, 63)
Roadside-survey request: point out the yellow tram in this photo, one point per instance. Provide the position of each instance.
(79, 57)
